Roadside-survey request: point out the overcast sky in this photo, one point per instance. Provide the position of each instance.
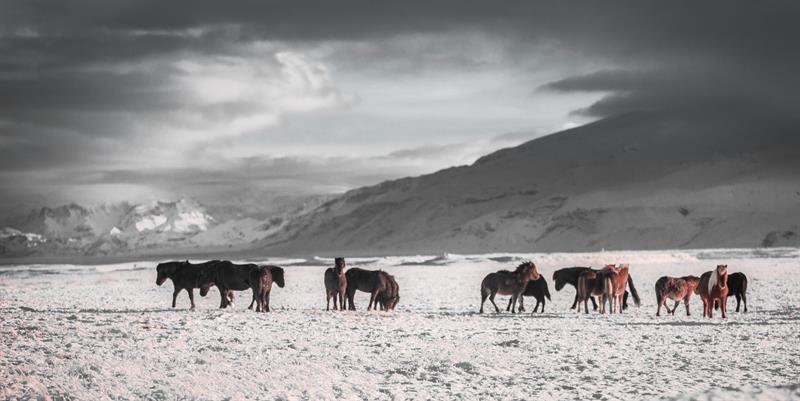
(110, 100)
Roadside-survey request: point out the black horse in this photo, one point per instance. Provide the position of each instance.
(737, 286)
(537, 289)
(187, 276)
(232, 277)
(569, 275)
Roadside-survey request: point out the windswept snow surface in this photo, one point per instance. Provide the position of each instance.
(107, 332)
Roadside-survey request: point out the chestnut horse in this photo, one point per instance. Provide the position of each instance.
(336, 285)
(677, 289)
(619, 280)
(713, 288)
(504, 282)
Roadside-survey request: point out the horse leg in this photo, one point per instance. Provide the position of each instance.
(738, 300)
(521, 303)
(175, 293)
(328, 301)
(266, 301)
(191, 296)
(342, 305)
(660, 301)
(508, 308)
(514, 303)
(253, 301)
(575, 302)
(744, 298)
(724, 307)
(372, 296)
(350, 295)
(491, 298)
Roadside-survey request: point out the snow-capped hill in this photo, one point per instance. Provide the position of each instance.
(8, 232)
(73, 220)
(184, 216)
(646, 180)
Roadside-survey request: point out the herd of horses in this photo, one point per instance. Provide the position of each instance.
(609, 285)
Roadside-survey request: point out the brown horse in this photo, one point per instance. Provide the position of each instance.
(594, 284)
(677, 289)
(504, 282)
(619, 280)
(336, 284)
(364, 280)
(389, 298)
(262, 278)
(713, 288)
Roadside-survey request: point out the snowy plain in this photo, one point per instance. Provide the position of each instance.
(107, 332)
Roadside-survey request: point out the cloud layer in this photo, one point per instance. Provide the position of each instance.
(324, 96)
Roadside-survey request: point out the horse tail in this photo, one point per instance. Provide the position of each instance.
(547, 291)
(635, 294)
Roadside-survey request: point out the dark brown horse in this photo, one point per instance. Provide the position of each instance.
(737, 286)
(262, 278)
(505, 282)
(364, 280)
(537, 289)
(389, 298)
(336, 284)
(677, 289)
(713, 288)
(569, 275)
(232, 277)
(594, 284)
(187, 276)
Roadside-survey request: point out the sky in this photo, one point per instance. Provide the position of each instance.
(103, 101)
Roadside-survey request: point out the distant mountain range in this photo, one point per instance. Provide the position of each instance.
(638, 181)
(149, 228)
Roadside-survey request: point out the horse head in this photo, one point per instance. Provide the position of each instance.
(530, 269)
(166, 270)
(277, 276)
(340, 266)
(722, 275)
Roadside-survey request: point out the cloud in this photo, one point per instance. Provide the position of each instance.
(158, 93)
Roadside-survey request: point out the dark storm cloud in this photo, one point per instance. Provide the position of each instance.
(74, 71)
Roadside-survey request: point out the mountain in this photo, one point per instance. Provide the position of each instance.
(638, 181)
(151, 228)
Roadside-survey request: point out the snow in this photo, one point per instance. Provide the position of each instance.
(92, 332)
(115, 231)
(150, 222)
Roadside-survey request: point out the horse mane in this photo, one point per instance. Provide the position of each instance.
(523, 265)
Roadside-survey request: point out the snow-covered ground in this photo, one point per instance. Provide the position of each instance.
(107, 332)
